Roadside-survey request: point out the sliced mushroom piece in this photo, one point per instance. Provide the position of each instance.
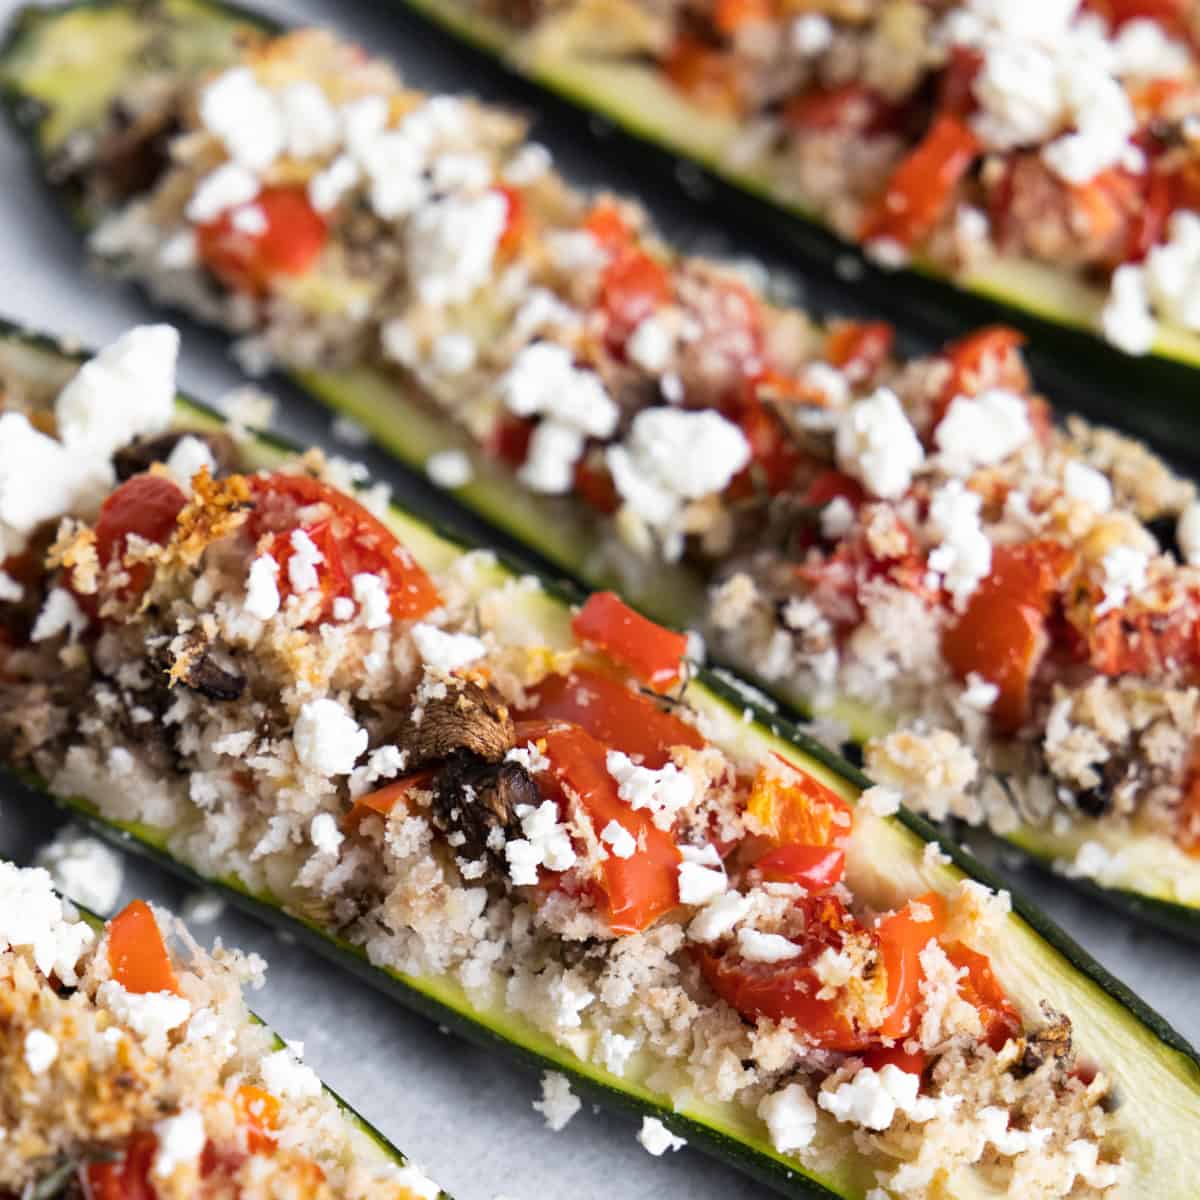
(479, 800)
(1051, 1042)
(196, 667)
(468, 717)
(31, 716)
(142, 452)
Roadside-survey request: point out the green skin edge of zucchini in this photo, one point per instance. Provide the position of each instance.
(1032, 934)
(560, 538)
(97, 923)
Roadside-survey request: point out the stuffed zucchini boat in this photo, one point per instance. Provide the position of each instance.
(539, 818)
(131, 1067)
(886, 543)
(1043, 156)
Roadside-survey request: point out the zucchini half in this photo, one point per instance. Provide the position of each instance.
(369, 1142)
(630, 91)
(1153, 878)
(1155, 1071)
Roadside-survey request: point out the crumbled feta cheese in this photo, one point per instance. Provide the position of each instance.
(983, 430)
(876, 443)
(60, 614)
(40, 1051)
(40, 479)
(311, 125)
(528, 165)
(1172, 271)
(226, 187)
(1124, 576)
(243, 115)
(327, 738)
(665, 792)
(32, 917)
(84, 869)
(1187, 533)
(1126, 319)
(546, 843)
(1143, 50)
(126, 390)
(1085, 483)
(673, 456)
(837, 519)
(202, 908)
(324, 833)
(372, 596)
(446, 652)
(451, 243)
(151, 1015)
(189, 457)
(181, 1141)
(811, 34)
(178, 252)
(882, 801)
(1104, 122)
(549, 466)
(718, 917)
(651, 345)
(529, 757)
(303, 562)
(979, 693)
(657, 1139)
(262, 592)
(326, 188)
(449, 469)
(558, 1103)
(964, 557)
(791, 1118)
(249, 219)
(872, 1098)
(756, 946)
(453, 353)
(621, 843)
(284, 1075)
(700, 884)
(616, 1049)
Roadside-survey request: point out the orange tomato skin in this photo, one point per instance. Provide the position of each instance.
(921, 187)
(1001, 634)
(986, 358)
(982, 989)
(613, 714)
(708, 76)
(258, 1110)
(860, 348)
(878, 1057)
(816, 868)
(381, 802)
(137, 954)
(796, 808)
(652, 653)
(294, 234)
(901, 940)
(641, 888)
(633, 286)
(353, 540)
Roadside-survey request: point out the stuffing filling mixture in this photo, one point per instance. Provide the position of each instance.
(131, 1069)
(1064, 132)
(462, 778)
(913, 537)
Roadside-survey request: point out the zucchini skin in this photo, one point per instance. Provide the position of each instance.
(762, 1167)
(1179, 920)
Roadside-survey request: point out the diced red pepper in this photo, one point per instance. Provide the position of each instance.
(129, 1177)
(510, 439)
(654, 654)
(633, 286)
(922, 186)
(955, 88)
(830, 485)
(137, 953)
(902, 937)
(730, 15)
(381, 802)
(792, 806)
(351, 539)
(982, 990)
(638, 889)
(816, 868)
(1001, 634)
(623, 719)
(594, 485)
(788, 990)
(292, 237)
(146, 506)
(1172, 15)
(859, 348)
(610, 229)
(258, 1110)
(989, 357)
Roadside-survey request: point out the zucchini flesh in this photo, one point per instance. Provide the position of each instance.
(1155, 1072)
(1153, 878)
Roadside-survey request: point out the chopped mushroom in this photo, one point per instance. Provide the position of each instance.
(468, 717)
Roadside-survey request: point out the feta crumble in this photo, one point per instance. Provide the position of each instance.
(373, 600)
(40, 1051)
(657, 1139)
(620, 842)
(262, 591)
(873, 1098)
(327, 738)
(449, 469)
(59, 614)
(981, 431)
(451, 243)
(151, 1015)
(790, 1116)
(1126, 319)
(876, 443)
(964, 556)
(303, 562)
(244, 116)
(285, 1075)
(1124, 576)
(324, 834)
(756, 946)
(546, 843)
(446, 652)
(1187, 533)
(718, 917)
(181, 1141)
(84, 869)
(558, 1103)
(189, 457)
(665, 792)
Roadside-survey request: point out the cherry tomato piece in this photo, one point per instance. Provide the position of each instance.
(902, 937)
(137, 953)
(129, 1177)
(816, 868)
(793, 807)
(652, 653)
